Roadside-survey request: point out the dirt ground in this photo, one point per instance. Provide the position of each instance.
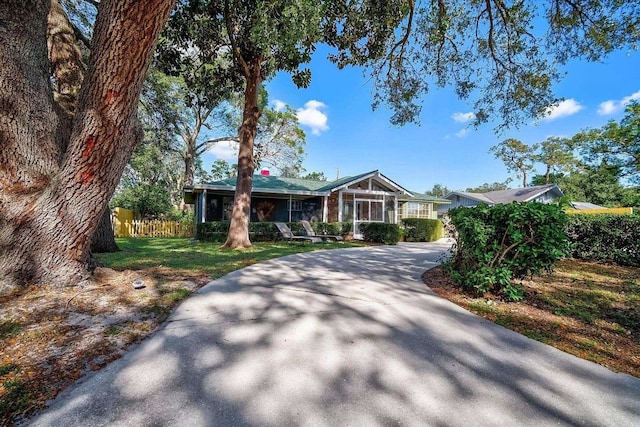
(583, 308)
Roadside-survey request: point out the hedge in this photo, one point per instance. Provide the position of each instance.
(605, 238)
(501, 242)
(422, 230)
(266, 231)
(380, 232)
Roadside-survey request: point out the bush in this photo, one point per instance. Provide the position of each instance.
(266, 231)
(503, 242)
(605, 238)
(380, 232)
(422, 230)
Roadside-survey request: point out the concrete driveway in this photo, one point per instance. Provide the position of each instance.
(349, 337)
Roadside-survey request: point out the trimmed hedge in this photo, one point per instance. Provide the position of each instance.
(266, 231)
(605, 238)
(422, 230)
(380, 232)
(501, 242)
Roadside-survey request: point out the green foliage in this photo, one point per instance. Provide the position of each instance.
(615, 144)
(145, 199)
(422, 230)
(15, 397)
(438, 190)
(266, 231)
(380, 232)
(9, 327)
(486, 187)
(599, 185)
(503, 242)
(517, 157)
(605, 238)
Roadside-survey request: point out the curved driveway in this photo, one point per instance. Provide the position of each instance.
(349, 337)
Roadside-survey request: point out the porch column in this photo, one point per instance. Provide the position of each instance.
(384, 206)
(395, 209)
(339, 205)
(290, 200)
(325, 209)
(204, 206)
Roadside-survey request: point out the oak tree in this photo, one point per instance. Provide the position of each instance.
(56, 177)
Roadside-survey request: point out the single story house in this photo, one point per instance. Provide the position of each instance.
(539, 193)
(368, 197)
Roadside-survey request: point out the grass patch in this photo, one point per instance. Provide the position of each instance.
(15, 396)
(201, 258)
(8, 328)
(587, 309)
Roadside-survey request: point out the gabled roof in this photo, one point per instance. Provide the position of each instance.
(420, 197)
(511, 195)
(281, 185)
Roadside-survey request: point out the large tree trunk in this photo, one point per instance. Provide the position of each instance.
(103, 240)
(238, 236)
(49, 209)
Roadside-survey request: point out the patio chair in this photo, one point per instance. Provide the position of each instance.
(309, 230)
(286, 233)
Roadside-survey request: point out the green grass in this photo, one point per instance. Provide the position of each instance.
(202, 257)
(9, 327)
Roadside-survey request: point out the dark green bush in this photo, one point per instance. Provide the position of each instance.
(503, 242)
(266, 231)
(605, 238)
(422, 230)
(380, 232)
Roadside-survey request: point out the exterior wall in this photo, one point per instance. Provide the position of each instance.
(457, 200)
(544, 198)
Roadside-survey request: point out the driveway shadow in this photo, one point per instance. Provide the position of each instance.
(343, 337)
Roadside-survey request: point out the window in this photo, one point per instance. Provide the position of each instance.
(295, 205)
(416, 210)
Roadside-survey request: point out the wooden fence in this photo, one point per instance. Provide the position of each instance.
(152, 228)
(614, 211)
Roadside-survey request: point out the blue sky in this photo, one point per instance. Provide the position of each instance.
(345, 135)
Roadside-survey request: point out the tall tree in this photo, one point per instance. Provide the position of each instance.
(616, 144)
(53, 187)
(556, 154)
(517, 156)
(438, 190)
(262, 37)
(486, 187)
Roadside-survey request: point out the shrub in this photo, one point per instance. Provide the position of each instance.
(605, 238)
(380, 232)
(266, 231)
(503, 242)
(422, 230)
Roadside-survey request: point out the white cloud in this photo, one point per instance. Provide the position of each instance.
(568, 107)
(225, 150)
(278, 105)
(463, 117)
(462, 133)
(607, 107)
(613, 106)
(312, 116)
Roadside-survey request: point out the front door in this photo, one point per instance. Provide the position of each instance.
(367, 211)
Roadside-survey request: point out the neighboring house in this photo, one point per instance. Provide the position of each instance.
(540, 193)
(368, 197)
